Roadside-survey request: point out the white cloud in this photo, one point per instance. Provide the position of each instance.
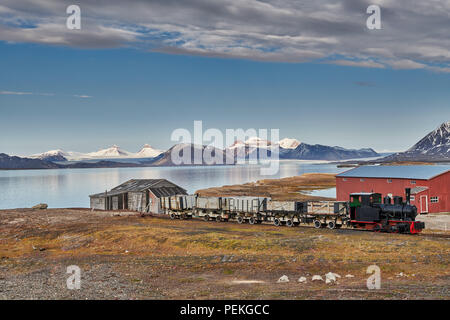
(22, 93)
(365, 64)
(18, 93)
(406, 64)
(414, 33)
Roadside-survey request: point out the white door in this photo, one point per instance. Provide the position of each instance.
(423, 204)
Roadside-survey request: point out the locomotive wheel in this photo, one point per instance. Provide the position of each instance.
(172, 216)
(277, 222)
(240, 220)
(317, 224)
(218, 219)
(331, 225)
(206, 218)
(289, 223)
(252, 220)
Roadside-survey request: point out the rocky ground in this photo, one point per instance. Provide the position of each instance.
(124, 256)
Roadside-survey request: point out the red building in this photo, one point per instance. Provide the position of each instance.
(430, 185)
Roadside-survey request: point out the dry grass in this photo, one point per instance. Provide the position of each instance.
(278, 189)
(159, 258)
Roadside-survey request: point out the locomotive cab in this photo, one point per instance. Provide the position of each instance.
(362, 206)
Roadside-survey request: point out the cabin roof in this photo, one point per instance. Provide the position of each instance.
(159, 187)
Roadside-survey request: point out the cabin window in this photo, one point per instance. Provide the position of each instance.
(389, 180)
(434, 199)
(413, 181)
(412, 198)
(362, 180)
(345, 179)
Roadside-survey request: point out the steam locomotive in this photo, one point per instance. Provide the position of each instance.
(367, 211)
(363, 211)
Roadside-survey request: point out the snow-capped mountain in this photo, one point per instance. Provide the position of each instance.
(250, 148)
(288, 143)
(52, 155)
(237, 144)
(58, 155)
(257, 142)
(112, 152)
(293, 149)
(148, 152)
(434, 146)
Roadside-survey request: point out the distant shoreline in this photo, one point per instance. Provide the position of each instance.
(114, 164)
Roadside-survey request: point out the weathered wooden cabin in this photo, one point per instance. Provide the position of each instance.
(142, 195)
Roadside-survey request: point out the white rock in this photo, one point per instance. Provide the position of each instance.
(283, 279)
(401, 274)
(330, 277)
(349, 276)
(302, 279)
(317, 278)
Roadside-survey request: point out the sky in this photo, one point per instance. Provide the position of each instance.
(138, 70)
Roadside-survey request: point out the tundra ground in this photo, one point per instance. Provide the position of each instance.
(124, 256)
(291, 188)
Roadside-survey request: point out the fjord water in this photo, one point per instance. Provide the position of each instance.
(69, 188)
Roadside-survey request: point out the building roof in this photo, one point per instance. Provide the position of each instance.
(420, 172)
(159, 187)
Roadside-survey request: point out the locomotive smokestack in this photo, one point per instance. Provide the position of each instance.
(408, 195)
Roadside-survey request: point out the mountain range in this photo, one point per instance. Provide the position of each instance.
(8, 162)
(434, 147)
(288, 148)
(114, 152)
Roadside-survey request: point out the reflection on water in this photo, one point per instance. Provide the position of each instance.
(329, 193)
(62, 188)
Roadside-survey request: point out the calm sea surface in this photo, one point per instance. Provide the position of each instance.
(65, 188)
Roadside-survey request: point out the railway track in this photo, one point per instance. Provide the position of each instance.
(436, 235)
(267, 224)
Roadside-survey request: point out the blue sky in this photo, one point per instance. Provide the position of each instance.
(83, 97)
